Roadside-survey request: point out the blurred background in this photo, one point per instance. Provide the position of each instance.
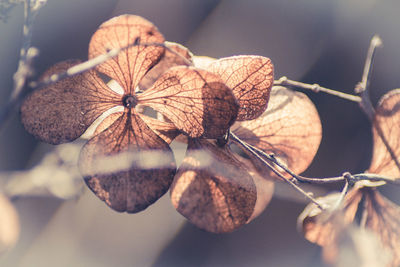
(325, 42)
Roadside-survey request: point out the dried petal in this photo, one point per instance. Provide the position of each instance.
(127, 165)
(387, 128)
(202, 62)
(290, 128)
(328, 229)
(196, 101)
(251, 79)
(62, 111)
(9, 225)
(212, 189)
(323, 227)
(168, 60)
(383, 218)
(265, 187)
(131, 64)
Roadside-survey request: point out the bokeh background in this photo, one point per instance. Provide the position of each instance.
(312, 41)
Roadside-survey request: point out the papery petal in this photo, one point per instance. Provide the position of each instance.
(386, 128)
(251, 79)
(62, 111)
(328, 228)
(168, 60)
(202, 62)
(197, 102)
(265, 187)
(131, 64)
(290, 129)
(323, 227)
(212, 189)
(383, 218)
(127, 165)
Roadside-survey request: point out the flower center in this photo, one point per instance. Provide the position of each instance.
(129, 101)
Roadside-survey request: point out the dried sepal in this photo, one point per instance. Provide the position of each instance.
(212, 189)
(290, 129)
(323, 227)
(386, 129)
(250, 78)
(182, 56)
(131, 64)
(9, 225)
(197, 102)
(202, 62)
(62, 111)
(329, 228)
(127, 165)
(264, 187)
(383, 218)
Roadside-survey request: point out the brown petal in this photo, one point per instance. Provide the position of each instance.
(290, 128)
(323, 227)
(127, 165)
(62, 111)
(265, 187)
(212, 189)
(383, 218)
(196, 101)
(251, 79)
(387, 128)
(168, 60)
(131, 64)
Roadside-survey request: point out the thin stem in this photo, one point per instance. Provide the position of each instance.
(293, 184)
(92, 63)
(343, 193)
(284, 81)
(24, 71)
(346, 176)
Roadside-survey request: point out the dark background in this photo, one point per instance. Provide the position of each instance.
(312, 41)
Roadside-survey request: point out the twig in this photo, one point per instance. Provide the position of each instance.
(284, 81)
(27, 54)
(24, 71)
(293, 184)
(362, 87)
(92, 63)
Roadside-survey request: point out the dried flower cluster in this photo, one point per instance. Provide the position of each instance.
(378, 214)
(128, 162)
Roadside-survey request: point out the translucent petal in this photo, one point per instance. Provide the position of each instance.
(251, 79)
(197, 102)
(290, 128)
(168, 60)
(129, 66)
(383, 218)
(212, 189)
(386, 129)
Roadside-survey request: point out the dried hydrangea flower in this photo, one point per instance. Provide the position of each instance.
(289, 128)
(116, 161)
(379, 215)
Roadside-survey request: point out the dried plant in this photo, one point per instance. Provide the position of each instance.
(244, 131)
